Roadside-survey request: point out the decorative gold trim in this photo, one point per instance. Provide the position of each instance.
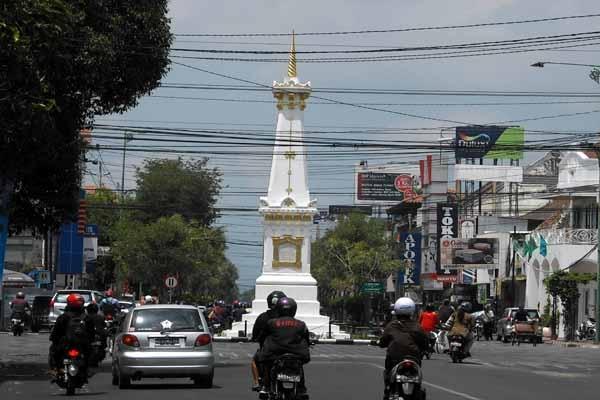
(287, 217)
(287, 239)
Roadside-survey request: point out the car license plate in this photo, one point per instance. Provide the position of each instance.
(166, 342)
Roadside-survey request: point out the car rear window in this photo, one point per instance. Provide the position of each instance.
(533, 314)
(158, 319)
(62, 297)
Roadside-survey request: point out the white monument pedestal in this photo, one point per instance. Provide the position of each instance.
(288, 212)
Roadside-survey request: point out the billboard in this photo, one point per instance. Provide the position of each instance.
(494, 142)
(386, 187)
(410, 254)
(469, 253)
(447, 230)
(345, 210)
(70, 250)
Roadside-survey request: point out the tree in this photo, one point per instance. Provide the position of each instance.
(355, 252)
(147, 253)
(188, 188)
(62, 63)
(564, 285)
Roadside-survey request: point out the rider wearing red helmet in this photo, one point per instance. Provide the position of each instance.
(71, 328)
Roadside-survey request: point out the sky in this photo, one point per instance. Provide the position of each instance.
(245, 177)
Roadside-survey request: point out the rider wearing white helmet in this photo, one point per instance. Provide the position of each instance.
(403, 338)
(148, 300)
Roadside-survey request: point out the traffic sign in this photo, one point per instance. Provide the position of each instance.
(372, 287)
(43, 277)
(171, 282)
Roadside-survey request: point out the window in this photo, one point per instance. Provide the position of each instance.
(153, 320)
(62, 296)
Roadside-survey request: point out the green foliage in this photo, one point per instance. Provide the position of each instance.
(355, 252)
(595, 75)
(62, 63)
(188, 188)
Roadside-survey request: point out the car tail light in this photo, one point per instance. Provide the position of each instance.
(73, 353)
(130, 340)
(52, 302)
(203, 340)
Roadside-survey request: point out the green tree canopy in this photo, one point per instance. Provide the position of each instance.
(187, 188)
(62, 63)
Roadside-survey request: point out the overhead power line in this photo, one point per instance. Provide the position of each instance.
(412, 29)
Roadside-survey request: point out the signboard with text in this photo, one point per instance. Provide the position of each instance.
(410, 255)
(493, 142)
(386, 187)
(469, 253)
(447, 230)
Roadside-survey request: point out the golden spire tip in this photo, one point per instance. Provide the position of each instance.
(292, 63)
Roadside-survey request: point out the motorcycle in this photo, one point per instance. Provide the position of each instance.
(110, 328)
(457, 348)
(98, 352)
(587, 330)
(434, 345)
(17, 326)
(478, 328)
(74, 374)
(406, 381)
(284, 380)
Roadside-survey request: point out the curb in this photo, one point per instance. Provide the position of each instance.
(347, 342)
(573, 344)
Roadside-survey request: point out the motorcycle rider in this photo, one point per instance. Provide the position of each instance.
(70, 328)
(285, 335)
(488, 320)
(403, 338)
(149, 300)
(109, 305)
(19, 307)
(259, 326)
(429, 321)
(444, 313)
(97, 320)
(461, 324)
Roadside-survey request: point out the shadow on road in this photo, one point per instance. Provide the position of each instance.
(167, 386)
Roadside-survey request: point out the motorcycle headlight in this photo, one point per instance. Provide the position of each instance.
(73, 370)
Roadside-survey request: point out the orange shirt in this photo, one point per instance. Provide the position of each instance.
(428, 321)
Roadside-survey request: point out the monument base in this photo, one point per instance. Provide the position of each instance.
(303, 289)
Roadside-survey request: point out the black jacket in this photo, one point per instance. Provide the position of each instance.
(59, 332)
(260, 324)
(404, 338)
(285, 335)
(444, 313)
(98, 321)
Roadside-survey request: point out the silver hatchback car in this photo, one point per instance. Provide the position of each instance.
(163, 341)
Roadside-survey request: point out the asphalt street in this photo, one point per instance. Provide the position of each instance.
(497, 371)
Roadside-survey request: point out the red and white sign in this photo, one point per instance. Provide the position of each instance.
(171, 282)
(447, 278)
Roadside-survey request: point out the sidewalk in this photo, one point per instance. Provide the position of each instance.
(581, 345)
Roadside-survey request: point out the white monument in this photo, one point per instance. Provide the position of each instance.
(287, 213)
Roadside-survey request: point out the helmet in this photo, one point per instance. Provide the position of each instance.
(466, 307)
(20, 295)
(148, 299)
(430, 307)
(273, 298)
(286, 307)
(75, 301)
(404, 306)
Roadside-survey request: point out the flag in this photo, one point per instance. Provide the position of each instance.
(543, 246)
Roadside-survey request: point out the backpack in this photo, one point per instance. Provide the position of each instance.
(75, 332)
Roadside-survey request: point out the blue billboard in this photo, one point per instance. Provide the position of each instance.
(70, 250)
(410, 254)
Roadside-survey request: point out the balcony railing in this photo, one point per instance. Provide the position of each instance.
(569, 236)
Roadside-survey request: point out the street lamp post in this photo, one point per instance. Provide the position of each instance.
(541, 64)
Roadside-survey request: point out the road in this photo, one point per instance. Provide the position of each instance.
(497, 371)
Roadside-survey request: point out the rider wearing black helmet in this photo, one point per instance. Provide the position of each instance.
(259, 326)
(19, 307)
(286, 335)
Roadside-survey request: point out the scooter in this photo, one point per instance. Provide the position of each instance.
(74, 374)
(17, 326)
(284, 380)
(406, 381)
(457, 348)
(587, 330)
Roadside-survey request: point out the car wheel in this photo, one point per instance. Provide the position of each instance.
(124, 381)
(204, 381)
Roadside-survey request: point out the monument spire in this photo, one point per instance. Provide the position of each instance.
(292, 63)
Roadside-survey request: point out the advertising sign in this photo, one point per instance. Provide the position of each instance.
(345, 210)
(494, 142)
(447, 230)
(385, 187)
(410, 254)
(469, 253)
(372, 287)
(70, 250)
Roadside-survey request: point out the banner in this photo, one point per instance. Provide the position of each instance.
(469, 253)
(410, 254)
(70, 250)
(494, 142)
(447, 230)
(388, 187)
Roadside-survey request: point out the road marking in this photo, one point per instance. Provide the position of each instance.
(444, 389)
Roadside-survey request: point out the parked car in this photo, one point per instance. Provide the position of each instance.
(505, 323)
(59, 301)
(160, 341)
(125, 306)
(39, 313)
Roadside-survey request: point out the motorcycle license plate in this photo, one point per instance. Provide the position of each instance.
(288, 378)
(166, 342)
(406, 379)
(455, 344)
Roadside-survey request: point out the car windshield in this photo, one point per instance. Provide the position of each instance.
(532, 314)
(159, 319)
(62, 297)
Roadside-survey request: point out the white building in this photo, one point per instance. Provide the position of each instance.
(570, 232)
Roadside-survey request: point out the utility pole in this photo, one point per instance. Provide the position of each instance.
(123, 166)
(514, 256)
(597, 305)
